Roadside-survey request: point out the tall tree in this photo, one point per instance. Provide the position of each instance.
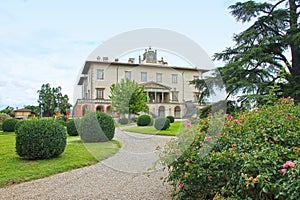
(266, 54)
(128, 98)
(50, 99)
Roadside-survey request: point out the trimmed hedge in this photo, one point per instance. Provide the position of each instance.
(143, 120)
(40, 139)
(9, 125)
(171, 118)
(123, 120)
(96, 127)
(71, 127)
(162, 123)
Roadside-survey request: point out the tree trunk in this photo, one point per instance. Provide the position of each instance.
(295, 48)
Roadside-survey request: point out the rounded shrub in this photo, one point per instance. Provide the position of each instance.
(3, 117)
(123, 120)
(9, 125)
(162, 123)
(71, 127)
(40, 139)
(171, 118)
(143, 120)
(96, 127)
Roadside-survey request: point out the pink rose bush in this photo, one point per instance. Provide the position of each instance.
(254, 156)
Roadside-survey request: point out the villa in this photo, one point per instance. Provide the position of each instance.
(167, 87)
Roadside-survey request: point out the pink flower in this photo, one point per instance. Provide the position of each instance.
(181, 185)
(285, 165)
(283, 170)
(219, 134)
(208, 138)
(288, 118)
(236, 121)
(229, 118)
(187, 123)
(291, 164)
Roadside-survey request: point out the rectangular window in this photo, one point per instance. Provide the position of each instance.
(100, 93)
(196, 77)
(128, 75)
(159, 77)
(144, 76)
(100, 74)
(174, 78)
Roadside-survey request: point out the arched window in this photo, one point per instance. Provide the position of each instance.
(100, 108)
(108, 110)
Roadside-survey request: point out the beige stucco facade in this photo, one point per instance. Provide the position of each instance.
(23, 113)
(167, 87)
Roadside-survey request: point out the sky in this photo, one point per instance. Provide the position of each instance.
(48, 41)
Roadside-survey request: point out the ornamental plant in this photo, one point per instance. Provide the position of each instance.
(123, 120)
(71, 127)
(171, 118)
(254, 156)
(9, 125)
(162, 123)
(96, 127)
(143, 120)
(40, 139)
(3, 117)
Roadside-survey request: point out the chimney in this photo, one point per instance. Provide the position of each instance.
(131, 60)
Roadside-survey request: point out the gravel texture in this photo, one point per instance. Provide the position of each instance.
(123, 176)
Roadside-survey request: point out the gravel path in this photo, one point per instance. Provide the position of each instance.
(123, 176)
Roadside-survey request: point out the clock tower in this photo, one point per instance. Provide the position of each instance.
(150, 56)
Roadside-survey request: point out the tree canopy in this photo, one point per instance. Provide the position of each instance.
(266, 55)
(9, 111)
(128, 98)
(51, 98)
(33, 108)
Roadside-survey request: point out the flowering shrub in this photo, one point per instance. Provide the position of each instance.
(255, 156)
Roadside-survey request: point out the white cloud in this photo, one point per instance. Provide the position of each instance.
(48, 41)
(58, 63)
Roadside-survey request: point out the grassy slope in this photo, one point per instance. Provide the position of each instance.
(172, 131)
(14, 169)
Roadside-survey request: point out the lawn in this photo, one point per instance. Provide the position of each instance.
(123, 125)
(14, 169)
(172, 131)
